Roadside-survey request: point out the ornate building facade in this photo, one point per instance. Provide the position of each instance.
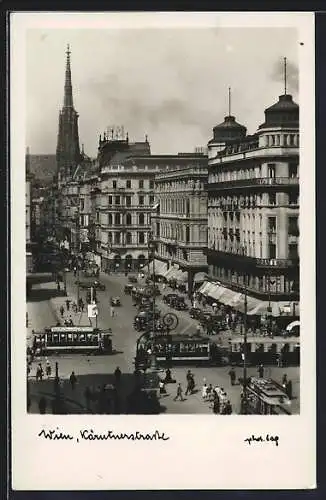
(253, 212)
(180, 221)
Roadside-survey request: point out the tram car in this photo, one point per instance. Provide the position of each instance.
(177, 349)
(267, 397)
(72, 339)
(269, 351)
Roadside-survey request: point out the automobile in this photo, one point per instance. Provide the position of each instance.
(115, 301)
(169, 297)
(128, 289)
(194, 312)
(132, 279)
(179, 305)
(205, 318)
(152, 290)
(89, 284)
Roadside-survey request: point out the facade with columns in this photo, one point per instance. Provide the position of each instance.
(180, 222)
(253, 207)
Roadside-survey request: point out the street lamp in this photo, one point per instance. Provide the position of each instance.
(244, 354)
(151, 253)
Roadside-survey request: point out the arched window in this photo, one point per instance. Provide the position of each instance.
(128, 219)
(128, 238)
(117, 238)
(117, 219)
(141, 219)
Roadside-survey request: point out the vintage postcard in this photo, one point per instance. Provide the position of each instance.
(163, 273)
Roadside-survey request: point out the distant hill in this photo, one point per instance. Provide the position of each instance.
(43, 167)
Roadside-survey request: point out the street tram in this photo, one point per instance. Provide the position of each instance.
(283, 351)
(74, 339)
(267, 397)
(176, 349)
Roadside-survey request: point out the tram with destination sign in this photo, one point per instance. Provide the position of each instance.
(176, 349)
(73, 339)
(267, 397)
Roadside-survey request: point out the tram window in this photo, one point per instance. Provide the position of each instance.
(49, 338)
(63, 336)
(75, 337)
(82, 338)
(55, 338)
(69, 338)
(272, 348)
(260, 348)
(285, 348)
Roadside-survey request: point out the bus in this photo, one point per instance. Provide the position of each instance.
(176, 349)
(281, 351)
(73, 339)
(267, 397)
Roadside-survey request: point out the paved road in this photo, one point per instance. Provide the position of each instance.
(94, 370)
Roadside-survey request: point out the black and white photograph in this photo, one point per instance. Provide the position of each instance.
(163, 221)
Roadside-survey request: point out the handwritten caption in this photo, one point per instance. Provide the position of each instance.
(260, 439)
(90, 435)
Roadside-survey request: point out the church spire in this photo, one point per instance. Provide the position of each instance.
(68, 102)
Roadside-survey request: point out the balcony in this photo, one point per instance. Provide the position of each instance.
(257, 182)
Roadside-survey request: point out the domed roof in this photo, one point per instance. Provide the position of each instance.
(284, 113)
(229, 130)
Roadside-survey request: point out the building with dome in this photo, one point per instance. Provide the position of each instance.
(253, 213)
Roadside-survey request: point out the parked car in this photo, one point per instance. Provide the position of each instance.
(132, 279)
(169, 297)
(115, 301)
(128, 289)
(195, 312)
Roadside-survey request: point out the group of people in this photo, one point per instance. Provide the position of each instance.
(218, 397)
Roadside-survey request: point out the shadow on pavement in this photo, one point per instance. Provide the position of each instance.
(43, 294)
(97, 394)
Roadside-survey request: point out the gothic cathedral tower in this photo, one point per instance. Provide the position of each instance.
(68, 152)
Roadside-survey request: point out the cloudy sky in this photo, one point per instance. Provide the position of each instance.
(171, 84)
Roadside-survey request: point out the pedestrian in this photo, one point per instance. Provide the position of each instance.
(216, 405)
(209, 391)
(68, 304)
(62, 310)
(73, 380)
(42, 405)
(280, 360)
(39, 372)
(214, 306)
(179, 393)
(75, 271)
(204, 392)
(117, 375)
(58, 286)
(228, 408)
(233, 376)
(162, 387)
(164, 286)
(48, 368)
(261, 370)
(112, 312)
(284, 380)
(71, 323)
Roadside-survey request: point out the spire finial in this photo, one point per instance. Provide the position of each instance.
(285, 75)
(68, 102)
(229, 101)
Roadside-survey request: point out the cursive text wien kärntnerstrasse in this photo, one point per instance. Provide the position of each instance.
(90, 435)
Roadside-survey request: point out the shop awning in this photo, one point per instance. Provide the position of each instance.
(216, 291)
(160, 267)
(200, 277)
(203, 287)
(181, 276)
(277, 309)
(172, 273)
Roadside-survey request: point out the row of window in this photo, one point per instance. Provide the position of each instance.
(232, 244)
(119, 219)
(118, 239)
(128, 184)
(271, 171)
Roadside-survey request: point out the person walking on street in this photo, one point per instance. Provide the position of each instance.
(68, 304)
(112, 312)
(58, 286)
(284, 380)
(117, 375)
(261, 370)
(39, 372)
(48, 368)
(204, 392)
(75, 271)
(216, 405)
(73, 380)
(232, 375)
(62, 310)
(179, 393)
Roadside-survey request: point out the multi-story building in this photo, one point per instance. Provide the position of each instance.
(253, 212)
(180, 220)
(123, 212)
